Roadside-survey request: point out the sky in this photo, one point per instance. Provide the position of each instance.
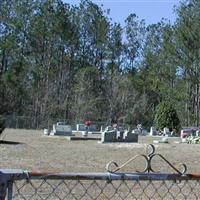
(150, 10)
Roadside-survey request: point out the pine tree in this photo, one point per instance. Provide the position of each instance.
(166, 116)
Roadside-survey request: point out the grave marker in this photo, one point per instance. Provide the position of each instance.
(118, 136)
(61, 129)
(153, 131)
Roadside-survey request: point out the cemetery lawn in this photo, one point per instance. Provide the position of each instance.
(42, 153)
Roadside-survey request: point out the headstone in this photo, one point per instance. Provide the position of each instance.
(166, 131)
(62, 129)
(144, 132)
(139, 127)
(80, 127)
(153, 131)
(126, 132)
(136, 131)
(54, 128)
(108, 128)
(110, 136)
(101, 129)
(198, 133)
(131, 137)
(92, 128)
(46, 132)
(118, 136)
(185, 133)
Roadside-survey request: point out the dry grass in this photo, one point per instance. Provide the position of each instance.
(40, 153)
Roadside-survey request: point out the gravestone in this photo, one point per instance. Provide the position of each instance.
(80, 127)
(46, 131)
(153, 131)
(101, 129)
(62, 129)
(109, 136)
(118, 136)
(139, 127)
(92, 128)
(198, 133)
(108, 128)
(166, 131)
(144, 132)
(131, 137)
(136, 131)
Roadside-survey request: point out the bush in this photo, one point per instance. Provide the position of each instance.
(166, 116)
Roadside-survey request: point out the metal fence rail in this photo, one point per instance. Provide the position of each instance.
(146, 184)
(17, 185)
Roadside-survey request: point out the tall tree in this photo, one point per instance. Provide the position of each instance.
(188, 47)
(135, 35)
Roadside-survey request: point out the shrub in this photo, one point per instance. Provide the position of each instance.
(166, 116)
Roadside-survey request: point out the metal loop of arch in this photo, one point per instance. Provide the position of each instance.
(113, 167)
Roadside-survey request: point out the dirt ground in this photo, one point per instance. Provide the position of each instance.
(38, 153)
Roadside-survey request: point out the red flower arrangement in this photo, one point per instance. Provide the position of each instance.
(88, 123)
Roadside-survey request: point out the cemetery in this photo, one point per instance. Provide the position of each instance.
(44, 153)
(84, 132)
(67, 147)
(89, 83)
(118, 134)
(61, 129)
(77, 151)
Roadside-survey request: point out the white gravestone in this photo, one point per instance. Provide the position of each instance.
(80, 127)
(46, 132)
(166, 131)
(61, 129)
(117, 136)
(153, 131)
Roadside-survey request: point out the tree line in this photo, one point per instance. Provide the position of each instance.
(61, 61)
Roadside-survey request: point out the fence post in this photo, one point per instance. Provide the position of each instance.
(5, 185)
(10, 190)
(6, 189)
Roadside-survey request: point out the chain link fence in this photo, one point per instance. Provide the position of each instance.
(28, 122)
(147, 184)
(17, 185)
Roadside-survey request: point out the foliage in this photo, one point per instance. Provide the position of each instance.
(166, 116)
(187, 34)
(193, 139)
(59, 61)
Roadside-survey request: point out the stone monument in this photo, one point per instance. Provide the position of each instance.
(62, 129)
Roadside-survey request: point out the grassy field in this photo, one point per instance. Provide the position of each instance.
(38, 153)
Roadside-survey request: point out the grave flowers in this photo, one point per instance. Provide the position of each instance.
(87, 124)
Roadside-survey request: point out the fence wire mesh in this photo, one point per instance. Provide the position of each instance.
(101, 190)
(105, 186)
(113, 185)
